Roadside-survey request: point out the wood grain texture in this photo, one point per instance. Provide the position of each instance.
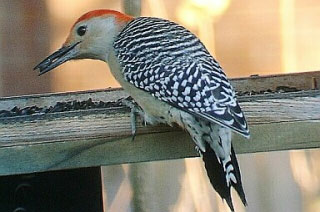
(96, 137)
(87, 152)
(301, 81)
(50, 99)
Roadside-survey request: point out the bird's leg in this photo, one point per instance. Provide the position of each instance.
(135, 109)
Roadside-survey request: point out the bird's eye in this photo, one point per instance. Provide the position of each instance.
(82, 30)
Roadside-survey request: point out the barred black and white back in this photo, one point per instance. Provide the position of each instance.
(172, 64)
(169, 62)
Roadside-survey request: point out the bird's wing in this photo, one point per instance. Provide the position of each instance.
(173, 65)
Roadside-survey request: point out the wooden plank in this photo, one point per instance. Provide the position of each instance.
(102, 136)
(50, 99)
(280, 136)
(300, 81)
(88, 152)
(112, 122)
(83, 138)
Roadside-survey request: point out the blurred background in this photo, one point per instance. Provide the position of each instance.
(247, 37)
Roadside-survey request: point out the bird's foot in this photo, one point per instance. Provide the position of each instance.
(135, 110)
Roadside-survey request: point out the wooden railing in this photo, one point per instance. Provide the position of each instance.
(285, 115)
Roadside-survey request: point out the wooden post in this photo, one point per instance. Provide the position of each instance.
(132, 7)
(22, 46)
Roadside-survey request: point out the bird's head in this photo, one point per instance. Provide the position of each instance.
(91, 37)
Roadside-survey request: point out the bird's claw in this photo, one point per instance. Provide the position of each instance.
(133, 123)
(135, 109)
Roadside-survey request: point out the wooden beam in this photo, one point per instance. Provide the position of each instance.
(95, 137)
(300, 81)
(102, 137)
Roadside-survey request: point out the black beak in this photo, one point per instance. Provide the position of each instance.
(62, 55)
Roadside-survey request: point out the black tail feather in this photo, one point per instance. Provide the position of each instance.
(238, 187)
(217, 176)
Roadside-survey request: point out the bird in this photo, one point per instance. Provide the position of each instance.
(172, 77)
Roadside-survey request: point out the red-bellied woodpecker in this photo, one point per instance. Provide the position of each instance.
(172, 77)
